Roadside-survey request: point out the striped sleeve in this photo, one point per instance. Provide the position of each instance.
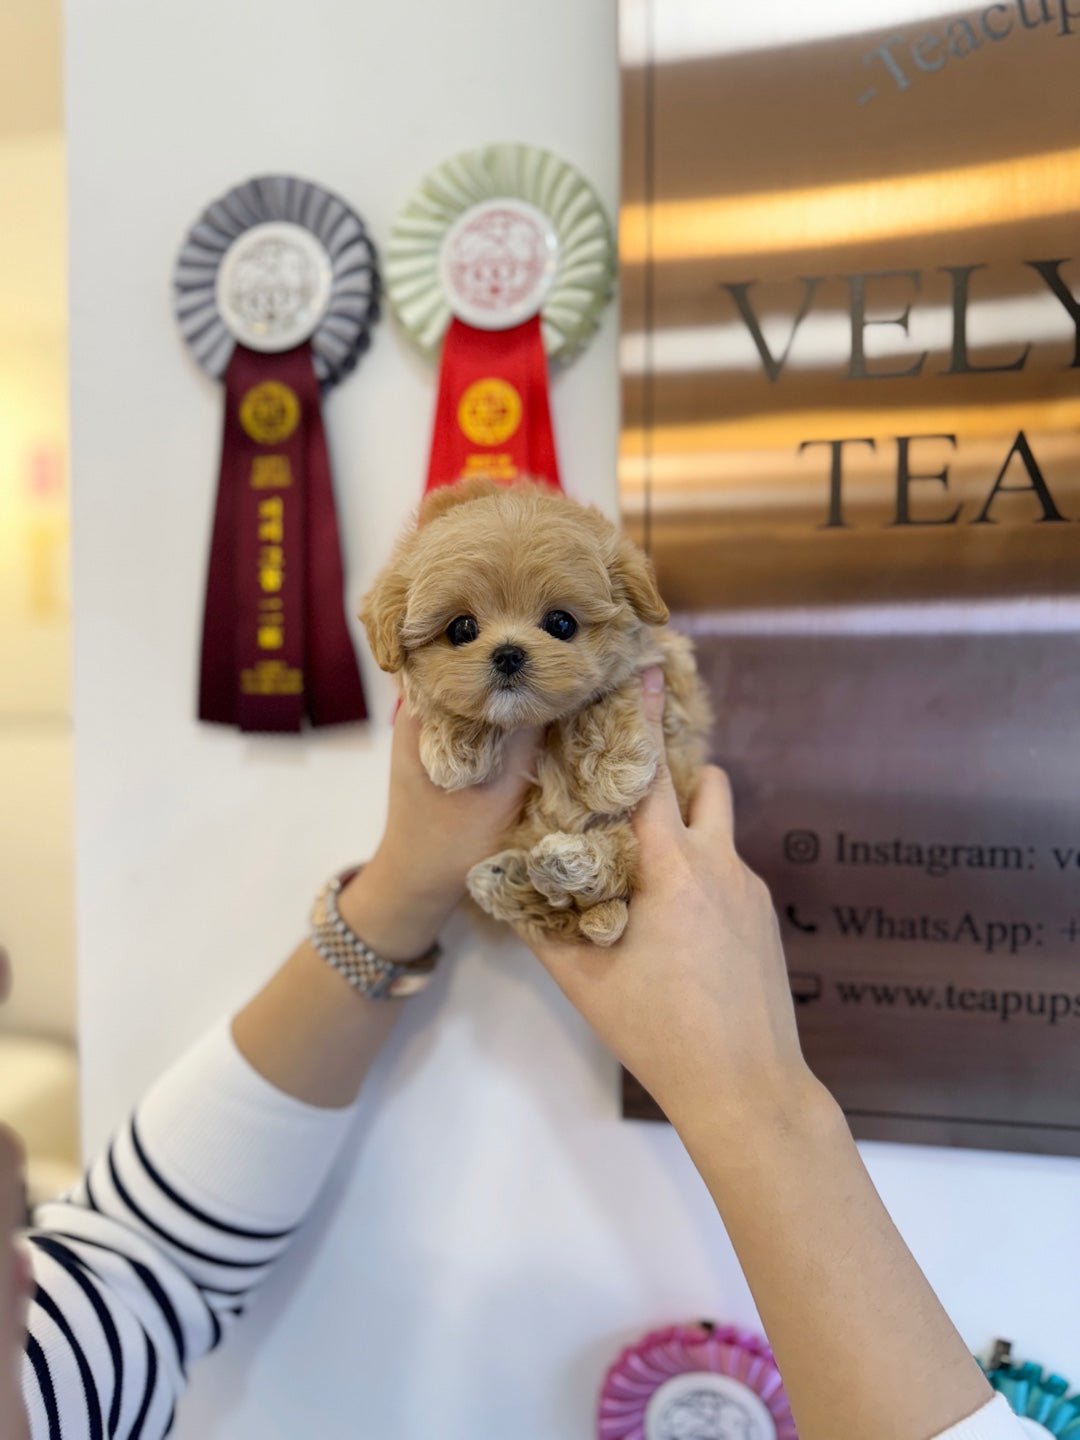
(151, 1259)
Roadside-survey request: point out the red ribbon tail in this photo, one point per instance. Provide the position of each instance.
(492, 413)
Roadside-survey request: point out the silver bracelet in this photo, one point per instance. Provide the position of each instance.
(366, 971)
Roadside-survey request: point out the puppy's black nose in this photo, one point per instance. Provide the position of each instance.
(508, 659)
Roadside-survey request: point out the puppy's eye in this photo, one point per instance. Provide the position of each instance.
(462, 631)
(559, 623)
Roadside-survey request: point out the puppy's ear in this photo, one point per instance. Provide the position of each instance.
(632, 573)
(445, 497)
(383, 614)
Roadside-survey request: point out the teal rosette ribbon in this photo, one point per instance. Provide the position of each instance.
(1041, 1400)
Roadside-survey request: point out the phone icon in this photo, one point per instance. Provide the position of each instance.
(806, 926)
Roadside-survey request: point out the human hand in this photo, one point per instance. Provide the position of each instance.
(432, 839)
(694, 1000)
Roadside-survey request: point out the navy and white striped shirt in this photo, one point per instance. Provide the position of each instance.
(149, 1262)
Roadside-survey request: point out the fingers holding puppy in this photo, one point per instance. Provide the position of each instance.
(712, 806)
(658, 819)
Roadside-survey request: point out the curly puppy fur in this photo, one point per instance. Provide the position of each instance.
(506, 557)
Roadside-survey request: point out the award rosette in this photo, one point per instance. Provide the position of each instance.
(502, 260)
(710, 1381)
(275, 290)
(1041, 1401)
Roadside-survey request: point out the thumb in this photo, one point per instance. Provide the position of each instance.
(653, 696)
(659, 811)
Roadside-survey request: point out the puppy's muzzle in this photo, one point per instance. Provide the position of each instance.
(508, 660)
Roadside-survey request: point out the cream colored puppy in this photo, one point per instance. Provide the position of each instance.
(510, 605)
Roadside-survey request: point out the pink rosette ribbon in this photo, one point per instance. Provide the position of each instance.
(695, 1382)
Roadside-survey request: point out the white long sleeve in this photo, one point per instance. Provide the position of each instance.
(149, 1262)
(144, 1267)
(994, 1421)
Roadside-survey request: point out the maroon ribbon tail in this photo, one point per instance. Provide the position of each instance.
(217, 668)
(275, 640)
(335, 694)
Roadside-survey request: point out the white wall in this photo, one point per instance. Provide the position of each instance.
(496, 1232)
(36, 843)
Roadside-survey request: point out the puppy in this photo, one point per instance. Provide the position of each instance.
(510, 605)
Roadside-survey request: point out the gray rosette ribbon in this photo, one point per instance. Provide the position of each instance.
(275, 291)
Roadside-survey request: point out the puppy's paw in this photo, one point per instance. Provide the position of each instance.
(500, 885)
(588, 868)
(561, 866)
(604, 924)
(456, 758)
(612, 754)
(621, 777)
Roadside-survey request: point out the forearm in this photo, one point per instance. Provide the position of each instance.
(184, 1212)
(823, 1259)
(307, 1031)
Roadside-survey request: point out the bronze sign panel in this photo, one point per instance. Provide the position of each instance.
(851, 353)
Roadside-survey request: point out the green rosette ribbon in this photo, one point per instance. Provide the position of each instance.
(584, 270)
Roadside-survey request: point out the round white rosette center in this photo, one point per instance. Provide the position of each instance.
(273, 286)
(497, 263)
(701, 1405)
